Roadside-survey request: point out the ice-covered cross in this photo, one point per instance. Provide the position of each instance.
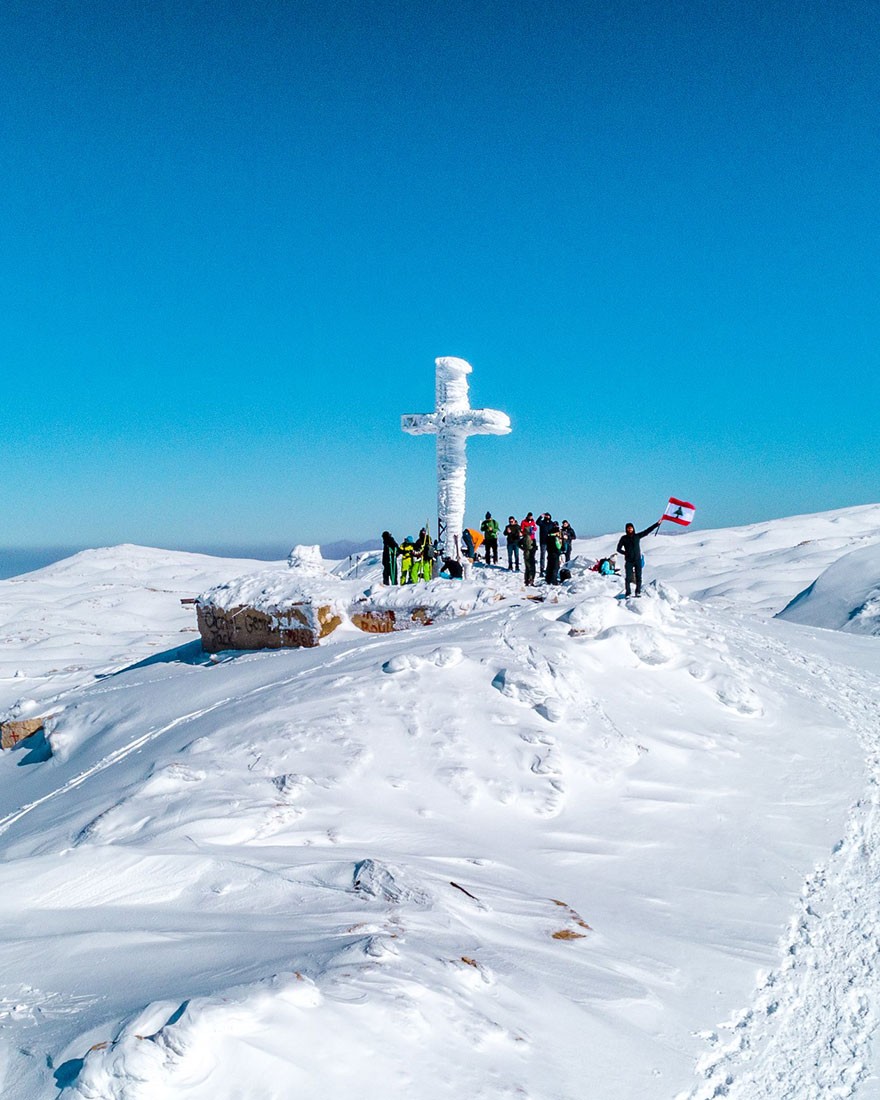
(452, 422)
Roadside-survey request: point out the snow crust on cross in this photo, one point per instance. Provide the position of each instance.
(452, 421)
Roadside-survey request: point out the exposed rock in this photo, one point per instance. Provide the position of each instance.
(376, 621)
(246, 628)
(16, 730)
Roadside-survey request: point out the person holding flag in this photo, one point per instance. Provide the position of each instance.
(629, 546)
(676, 511)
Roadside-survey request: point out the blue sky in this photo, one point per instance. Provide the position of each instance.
(234, 236)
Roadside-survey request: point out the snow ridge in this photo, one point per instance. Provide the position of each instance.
(807, 1034)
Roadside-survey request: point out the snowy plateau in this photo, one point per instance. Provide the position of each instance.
(574, 848)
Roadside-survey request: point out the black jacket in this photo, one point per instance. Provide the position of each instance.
(389, 550)
(629, 544)
(544, 527)
(513, 533)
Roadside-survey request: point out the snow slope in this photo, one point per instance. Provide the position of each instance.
(845, 597)
(560, 849)
(762, 565)
(96, 612)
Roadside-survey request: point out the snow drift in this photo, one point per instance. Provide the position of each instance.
(845, 597)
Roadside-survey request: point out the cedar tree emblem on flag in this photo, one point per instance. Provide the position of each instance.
(679, 511)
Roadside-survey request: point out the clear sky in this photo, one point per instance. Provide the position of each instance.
(235, 235)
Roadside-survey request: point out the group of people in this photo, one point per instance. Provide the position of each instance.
(542, 543)
(408, 562)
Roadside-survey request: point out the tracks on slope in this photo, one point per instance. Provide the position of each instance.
(807, 1033)
(124, 751)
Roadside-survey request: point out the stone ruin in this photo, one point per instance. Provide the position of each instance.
(302, 605)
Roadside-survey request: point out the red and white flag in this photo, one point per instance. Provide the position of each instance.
(679, 511)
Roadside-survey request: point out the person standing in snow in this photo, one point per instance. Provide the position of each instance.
(407, 561)
(568, 535)
(424, 558)
(629, 546)
(489, 527)
(553, 554)
(530, 550)
(390, 550)
(528, 524)
(545, 522)
(513, 534)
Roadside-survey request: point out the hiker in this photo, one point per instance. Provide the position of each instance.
(528, 524)
(424, 557)
(489, 527)
(553, 554)
(632, 554)
(467, 543)
(568, 534)
(529, 550)
(545, 522)
(452, 569)
(407, 560)
(607, 567)
(513, 534)
(390, 550)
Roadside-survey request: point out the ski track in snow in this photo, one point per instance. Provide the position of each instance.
(807, 1033)
(137, 743)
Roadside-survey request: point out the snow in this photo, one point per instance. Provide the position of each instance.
(557, 848)
(845, 597)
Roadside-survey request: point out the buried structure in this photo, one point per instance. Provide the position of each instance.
(303, 604)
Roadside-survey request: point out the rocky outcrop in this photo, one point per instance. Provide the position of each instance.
(16, 730)
(300, 625)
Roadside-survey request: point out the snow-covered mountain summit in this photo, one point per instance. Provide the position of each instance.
(561, 849)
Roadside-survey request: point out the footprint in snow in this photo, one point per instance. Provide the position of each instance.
(646, 643)
(552, 709)
(444, 656)
(520, 686)
(738, 696)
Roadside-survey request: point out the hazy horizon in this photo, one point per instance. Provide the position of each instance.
(15, 561)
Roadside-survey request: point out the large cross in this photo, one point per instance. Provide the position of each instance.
(452, 422)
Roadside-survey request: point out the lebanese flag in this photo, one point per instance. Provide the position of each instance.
(679, 511)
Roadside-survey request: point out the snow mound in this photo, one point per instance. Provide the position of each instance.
(307, 560)
(845, 597)
(273, 590)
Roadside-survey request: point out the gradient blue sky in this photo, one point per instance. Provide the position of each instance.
(234, 236)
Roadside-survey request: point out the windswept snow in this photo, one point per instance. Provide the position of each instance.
(558, 849)
(845, 597)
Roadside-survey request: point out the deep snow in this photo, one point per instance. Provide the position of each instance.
(578, 848)
(845, 597)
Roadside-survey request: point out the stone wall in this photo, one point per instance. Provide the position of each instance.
(245, 628)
